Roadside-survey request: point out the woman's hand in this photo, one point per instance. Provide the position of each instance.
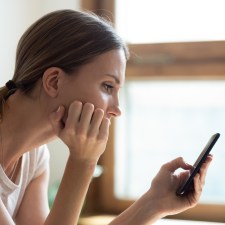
(166, 182)
(85, 131)
(161, 199)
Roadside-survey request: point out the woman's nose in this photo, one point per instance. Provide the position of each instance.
(114, 111)
(114, 107)
(118, 111)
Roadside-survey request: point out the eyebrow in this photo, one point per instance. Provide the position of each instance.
(114, 77)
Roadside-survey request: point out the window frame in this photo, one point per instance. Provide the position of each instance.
(180, 61)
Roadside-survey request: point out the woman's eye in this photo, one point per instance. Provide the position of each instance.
(108, 87)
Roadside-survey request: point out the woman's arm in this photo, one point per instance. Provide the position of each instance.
(5, 218)
(71, 194)
(85, 133)
(68, 202)
(161, 199)
(67, 205)
(34, 206)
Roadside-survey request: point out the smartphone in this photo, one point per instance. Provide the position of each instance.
(188, 184)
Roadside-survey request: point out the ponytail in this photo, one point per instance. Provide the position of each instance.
(3, 94)
(8, 89)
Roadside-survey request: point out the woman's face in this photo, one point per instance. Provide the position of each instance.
(98, 83)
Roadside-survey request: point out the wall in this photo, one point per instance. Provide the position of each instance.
(15, 17)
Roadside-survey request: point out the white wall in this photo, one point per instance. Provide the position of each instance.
(15, 17)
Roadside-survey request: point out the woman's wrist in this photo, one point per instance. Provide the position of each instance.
(144, 211)
(81, 166)
(152, 207)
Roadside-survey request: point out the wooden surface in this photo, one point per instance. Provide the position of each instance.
(96, 220)
(106, 219)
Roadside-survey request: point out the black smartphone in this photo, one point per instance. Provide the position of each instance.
(188, 184)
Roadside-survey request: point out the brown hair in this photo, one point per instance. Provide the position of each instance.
(66, 39)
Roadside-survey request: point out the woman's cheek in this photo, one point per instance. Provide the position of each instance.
(98, 98)
(103, 101)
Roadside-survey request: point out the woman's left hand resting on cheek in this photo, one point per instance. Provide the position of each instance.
(85, 131)
(161, 199)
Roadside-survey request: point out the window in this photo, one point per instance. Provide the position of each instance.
(164, 119)
(192, 76)
(170, 71)
(170, 21)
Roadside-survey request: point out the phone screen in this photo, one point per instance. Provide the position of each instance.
(188, 183)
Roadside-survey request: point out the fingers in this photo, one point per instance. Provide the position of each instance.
(85, 131)
(74, 113)
(96, 122)
(84, 119)
(199, 179)
(104, 129)
(56, 119)
(177, 163)
(100, 125)
(184, 175)
(204, 169)
(197, 186)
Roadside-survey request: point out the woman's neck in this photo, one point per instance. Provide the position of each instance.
(24, 126)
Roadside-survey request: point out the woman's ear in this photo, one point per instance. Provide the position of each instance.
(51, 81)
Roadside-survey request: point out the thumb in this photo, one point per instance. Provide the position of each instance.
(184, 175)
(56, 119)
(177, 163)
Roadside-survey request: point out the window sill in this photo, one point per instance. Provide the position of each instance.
(96, 220)
(106, 219)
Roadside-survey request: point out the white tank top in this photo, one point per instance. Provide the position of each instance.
(33, 164)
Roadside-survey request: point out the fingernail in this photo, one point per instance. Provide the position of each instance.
(109, 121)
(188, 164)
(58, 109)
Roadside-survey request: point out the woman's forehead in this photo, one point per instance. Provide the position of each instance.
(112, 63)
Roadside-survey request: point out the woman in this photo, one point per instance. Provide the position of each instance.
(69, 69)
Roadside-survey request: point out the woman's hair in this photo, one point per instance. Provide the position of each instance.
(66, 39)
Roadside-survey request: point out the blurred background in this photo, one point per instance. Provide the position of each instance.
(173, 100)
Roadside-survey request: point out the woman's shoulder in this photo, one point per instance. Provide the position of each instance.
(39, 157)
(40, 152)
